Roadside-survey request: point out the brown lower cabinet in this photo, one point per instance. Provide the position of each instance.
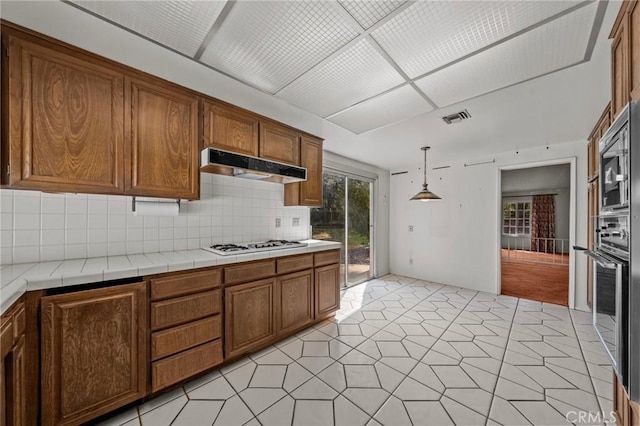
(627, 411)
(94, 352)
(101, 349)
(186, 325)
(13, 408)
(295, 308)
(327, 290)
(249, 316)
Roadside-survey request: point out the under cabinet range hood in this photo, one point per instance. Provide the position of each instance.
(244, 166)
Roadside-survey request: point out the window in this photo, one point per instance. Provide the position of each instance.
(516, 218)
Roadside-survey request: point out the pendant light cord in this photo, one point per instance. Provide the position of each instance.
(425, 167)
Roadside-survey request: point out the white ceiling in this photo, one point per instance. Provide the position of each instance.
(367, 64)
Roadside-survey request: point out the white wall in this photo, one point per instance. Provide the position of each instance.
(37, 226)
(381, 206)
(455, 239)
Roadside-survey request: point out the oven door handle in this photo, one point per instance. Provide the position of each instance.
(598, 258)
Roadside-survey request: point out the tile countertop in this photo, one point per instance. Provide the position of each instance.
(18, 278)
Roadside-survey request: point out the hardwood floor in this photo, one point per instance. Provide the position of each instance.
(545, 282)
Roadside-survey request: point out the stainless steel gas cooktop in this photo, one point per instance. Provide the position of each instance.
(230, 249)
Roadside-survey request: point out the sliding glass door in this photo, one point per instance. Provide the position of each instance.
(359, 230)
(346, 216)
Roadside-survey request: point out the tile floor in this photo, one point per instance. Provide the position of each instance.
(408, 352)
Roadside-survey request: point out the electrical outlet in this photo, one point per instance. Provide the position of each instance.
(295, 221)
(278, 222)
(410, 261)
(410, 228)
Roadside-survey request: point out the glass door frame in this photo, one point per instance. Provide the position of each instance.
(372, 216)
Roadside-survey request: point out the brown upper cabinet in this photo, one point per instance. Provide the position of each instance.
(76, 122)
(620, 69)
(625, 57)
(161, 140)
(593, 147)
(634, 34)
(308, 193)
(62, 118)
(229, 128)
(73, 121)
(279, 143)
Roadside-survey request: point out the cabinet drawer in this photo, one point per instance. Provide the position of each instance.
(293, 264)
(176, 311)
(327, 257)
(249, 271)
(182, 337)
(179, 285)
(185, 364)
(6, 336)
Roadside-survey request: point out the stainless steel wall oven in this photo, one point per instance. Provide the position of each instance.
(616, 255)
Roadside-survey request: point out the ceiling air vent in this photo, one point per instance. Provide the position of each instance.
(457, 117)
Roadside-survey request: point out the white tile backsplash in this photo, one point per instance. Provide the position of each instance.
(37, 226)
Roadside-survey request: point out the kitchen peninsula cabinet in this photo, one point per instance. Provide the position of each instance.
(13, 370)
(229, 128)
(94, 352)
(309, 192)
(161, 140)
(249, 316)
(62, 126)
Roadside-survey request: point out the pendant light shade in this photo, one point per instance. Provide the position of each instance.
(425, 194)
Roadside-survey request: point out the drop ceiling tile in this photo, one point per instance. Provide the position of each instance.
(354, 75)
(269, 43)
(369, 12)
(180, 25)
(397, 105)
(430, 34)
(548, 48)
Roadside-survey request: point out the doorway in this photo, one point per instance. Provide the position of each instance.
(534, 233)
(346, 216)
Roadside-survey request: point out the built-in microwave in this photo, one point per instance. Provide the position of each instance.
(614, 168)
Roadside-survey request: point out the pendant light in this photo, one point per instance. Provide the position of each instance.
(425, 194)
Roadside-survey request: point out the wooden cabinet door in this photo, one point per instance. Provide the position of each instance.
(94, 352)
(249, 316)
(311, 158)
(634, 59)
(294, 306)
(161, 140)
(279, 143)
(590, 157)
(64, 120)
(620, 69)
(590, 236)
(327, 286)
(18, 408)
(308, 193)
(229, 129)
